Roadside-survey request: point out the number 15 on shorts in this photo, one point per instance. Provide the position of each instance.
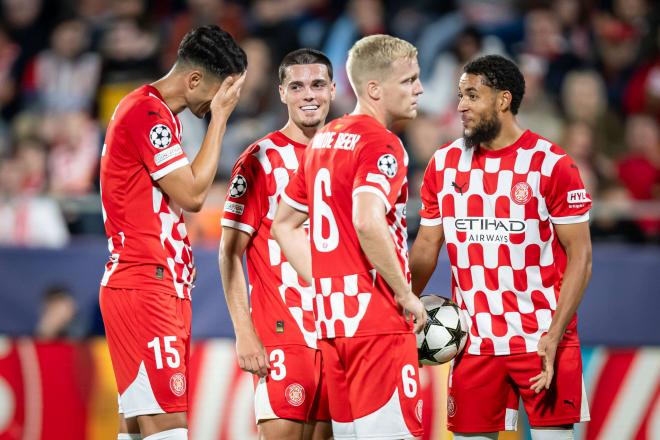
(172, 355)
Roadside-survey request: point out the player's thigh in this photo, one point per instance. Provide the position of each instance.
(336, 378)
(481, 398)
(290, 388)
(149, 339)
(152, 424)
(384, 388)
(565, 402)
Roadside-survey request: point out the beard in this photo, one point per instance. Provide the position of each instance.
(485, 131)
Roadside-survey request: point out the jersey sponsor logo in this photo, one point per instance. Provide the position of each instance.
(338, 141)
(489, 229)
(521, 193)
(165, 155)
(451, 406)
(178, 384)
(160, 136)
(237, 187)
(295, 394)
(234, 208)
(577, 198)
(388, 165)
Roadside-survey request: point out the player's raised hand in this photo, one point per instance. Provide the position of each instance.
(547, 350)
(411, 304)
(226, 97)
(251, 354)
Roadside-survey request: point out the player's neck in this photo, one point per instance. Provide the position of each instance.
(369, 109)
(168, 87)
(298, 134)
(508, 135)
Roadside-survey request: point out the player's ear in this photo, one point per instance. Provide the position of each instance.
(374, 90)
(333, 90)
(282, 93)
(194, 79)
(504, 101)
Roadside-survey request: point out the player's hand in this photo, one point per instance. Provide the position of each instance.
(226, 98)
(251, 354)
(411, 304)
(547, 350)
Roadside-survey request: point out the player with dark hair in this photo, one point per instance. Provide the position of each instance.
(352, 186)
(514, 212)
(276, 337)
(146, 184)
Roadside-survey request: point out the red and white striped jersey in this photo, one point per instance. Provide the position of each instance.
(281, 302)
(351, 155)
(147, 238)
(497, 210)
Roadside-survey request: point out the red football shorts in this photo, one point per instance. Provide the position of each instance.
(148, 337)
(294, 388)
(373, 386)
(484, 392)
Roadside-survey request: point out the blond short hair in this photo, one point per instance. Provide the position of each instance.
(371, 57)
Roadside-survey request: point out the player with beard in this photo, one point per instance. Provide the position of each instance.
(276, 340)
(514, 213)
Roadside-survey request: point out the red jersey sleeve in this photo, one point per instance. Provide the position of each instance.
(246, 202)
(295, 193)
(381, 169)
(566, 198)
(157, 137)
(430, 212)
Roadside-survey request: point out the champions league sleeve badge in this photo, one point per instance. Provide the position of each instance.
(237, 187)
(388, 165)
(160, 136)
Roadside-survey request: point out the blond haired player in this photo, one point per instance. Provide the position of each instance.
(352, 186)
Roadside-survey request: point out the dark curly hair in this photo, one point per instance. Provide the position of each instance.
(304, 56)
(214, 50)
(501, 74)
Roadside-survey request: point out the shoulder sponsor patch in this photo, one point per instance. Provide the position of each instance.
(165, 155)
(579, 196)
(234, 208)
(388, 165)
(237, 187)
(160, 136)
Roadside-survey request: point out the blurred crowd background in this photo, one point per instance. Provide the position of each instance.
(592, 71)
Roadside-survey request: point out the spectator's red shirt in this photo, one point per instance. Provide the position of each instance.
(147, 238)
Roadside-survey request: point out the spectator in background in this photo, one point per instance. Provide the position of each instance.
(65, 76)
(643, 91)
(59, 315)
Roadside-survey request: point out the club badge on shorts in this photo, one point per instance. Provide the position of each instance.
(419, 409)
(521, 193)
(295, 394)
(178, 384)
(451, 406)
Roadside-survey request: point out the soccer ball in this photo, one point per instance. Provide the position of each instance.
(160, 136)
(238, 186)
(445, 332)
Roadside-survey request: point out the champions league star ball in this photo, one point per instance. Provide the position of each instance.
(445, 332)
(238, 186)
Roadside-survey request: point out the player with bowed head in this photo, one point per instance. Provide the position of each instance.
(146, 184)
(514, 212)
(276, 340)
(352, 186)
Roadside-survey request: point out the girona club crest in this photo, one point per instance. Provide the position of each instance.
(295, 394)
(178, 384)
(521, 193)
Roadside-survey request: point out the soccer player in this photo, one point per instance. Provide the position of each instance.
(276, 341)
(513, 211)
(352, 185)
(146, 184)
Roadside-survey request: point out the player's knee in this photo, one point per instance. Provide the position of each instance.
(170, 434)
(476, 436)
(552, 434)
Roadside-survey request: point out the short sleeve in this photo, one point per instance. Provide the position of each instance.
(246, 202)
(156, 135)
(566, 198)
(381, 169)
(295, 193)
(430, 211)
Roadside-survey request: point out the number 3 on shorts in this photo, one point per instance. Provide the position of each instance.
(173, 360)
(408, 380)
(278, 370)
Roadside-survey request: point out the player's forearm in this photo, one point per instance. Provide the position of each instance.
(205, 164)
(576, 278)
(236, 295)
(378, 246)
(295, 246)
